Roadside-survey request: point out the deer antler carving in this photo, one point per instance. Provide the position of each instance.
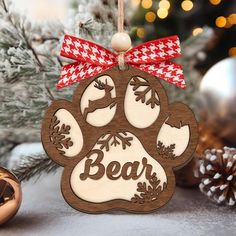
(100, 85)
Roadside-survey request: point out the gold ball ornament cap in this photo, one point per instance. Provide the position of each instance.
(10, 195)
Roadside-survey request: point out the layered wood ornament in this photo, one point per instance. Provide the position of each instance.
(119, 141)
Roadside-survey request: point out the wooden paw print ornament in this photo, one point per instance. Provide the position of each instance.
(119, 139)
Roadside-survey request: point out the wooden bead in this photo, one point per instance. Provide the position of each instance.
(121, 42)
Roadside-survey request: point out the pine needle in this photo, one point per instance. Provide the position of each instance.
(35, 166)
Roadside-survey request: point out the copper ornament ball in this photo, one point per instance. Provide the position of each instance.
(10, 195)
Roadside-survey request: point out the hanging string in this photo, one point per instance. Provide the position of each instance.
(120, 26)
(120, 16)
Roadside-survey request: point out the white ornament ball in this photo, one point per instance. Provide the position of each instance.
(217, 100)
(121, 42)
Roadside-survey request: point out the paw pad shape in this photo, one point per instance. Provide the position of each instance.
(119, 141)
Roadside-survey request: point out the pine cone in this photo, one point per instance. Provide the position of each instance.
(217, 172)
(207, 139)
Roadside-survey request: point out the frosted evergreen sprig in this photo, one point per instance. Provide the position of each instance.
(30, 66)
(30, 63)
(34, 166)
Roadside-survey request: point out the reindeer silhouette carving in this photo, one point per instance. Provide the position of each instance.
(105, 101)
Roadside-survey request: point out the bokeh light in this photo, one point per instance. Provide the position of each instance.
(232, 52)
(187, 5)
(164, 4)
(221, 21)
(140, 32)
(215, 2)
(197, 31)
(232, 19)
(162, 13)
(146, 4)
(150, 16)
(228, 24)
(135, 3)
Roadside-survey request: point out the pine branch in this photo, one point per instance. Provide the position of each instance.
(30, 66)
(30, 47)
(5, 149)
(19, 135)
(34, 166)
(190, 49)
(194, 44)
(106, 11)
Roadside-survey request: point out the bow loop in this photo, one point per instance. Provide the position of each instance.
(154, 51)
(82, 50)
(92, 59)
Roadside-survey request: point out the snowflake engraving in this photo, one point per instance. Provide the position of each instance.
(114, 139)
(58, 134)
(148, 193)
(142, 95)
(166, 152)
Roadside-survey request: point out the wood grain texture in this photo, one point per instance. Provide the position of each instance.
(176, 115)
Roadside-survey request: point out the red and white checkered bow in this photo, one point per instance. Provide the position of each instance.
(92, 59)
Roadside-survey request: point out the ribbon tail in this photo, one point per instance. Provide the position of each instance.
(166, 70)
(78, 71)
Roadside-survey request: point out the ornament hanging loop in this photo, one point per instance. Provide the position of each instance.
(120, 16)
(121, 41)
(121, 62)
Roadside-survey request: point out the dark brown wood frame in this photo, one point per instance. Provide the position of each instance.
(178, 113)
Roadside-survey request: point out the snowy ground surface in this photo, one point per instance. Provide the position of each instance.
(44, 212)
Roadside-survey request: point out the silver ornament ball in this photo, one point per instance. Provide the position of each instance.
(217, 100)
